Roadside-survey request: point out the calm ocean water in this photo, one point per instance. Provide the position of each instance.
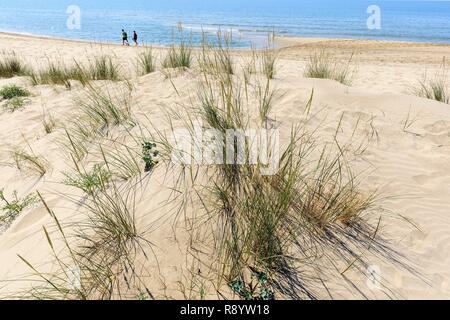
(250, 20)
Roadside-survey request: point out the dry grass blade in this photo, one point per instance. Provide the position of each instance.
(29, 161)
(48, 122)
(123, 161)
(104, 110)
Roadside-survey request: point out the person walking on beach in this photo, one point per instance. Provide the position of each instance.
(125, 38)
(135, 38)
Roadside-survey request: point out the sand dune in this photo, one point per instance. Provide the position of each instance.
(406, 156)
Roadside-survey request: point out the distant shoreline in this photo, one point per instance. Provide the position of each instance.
(54, 38)
(281, 41)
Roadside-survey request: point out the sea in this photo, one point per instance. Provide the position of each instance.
(249, 22)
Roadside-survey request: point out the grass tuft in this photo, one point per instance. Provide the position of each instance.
(103, 110)
(104, 68)
(215, 57)
(57, 73)
(48, 122)
(99, 263)
(436, 88)
(13, 91)
(30, 161)
(12, 208)
(89, 182)
(179, 56)
(14, 104)
(11, 66)
(146, 62)
(269, 59)
(260, 221)
(266, 99)
(322, 65)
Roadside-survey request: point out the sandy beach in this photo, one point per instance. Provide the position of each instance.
(397, 142)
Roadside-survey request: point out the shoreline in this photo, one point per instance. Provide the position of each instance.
(295, 40)
(69, 40)
(281, 41)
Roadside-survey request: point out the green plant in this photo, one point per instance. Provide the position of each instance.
(269, 58)
(249, 69)
(123, 160)
(149, 153)
(102, 110)
(101, 254)
(13, 91)
(269, 64)
(104, 68)
(146, 62)
(215, 58)
(76, 139)
(266, 98)
(143, 296)
(14, 104)
(89, 182)
(322, 65)
(79, 73)
(13, 207)
(256, 289)
(11, 66)
(179, 56)
(436, 88)
(310, 203)
(56, 73)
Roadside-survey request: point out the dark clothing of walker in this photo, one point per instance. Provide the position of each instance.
(135, 38)
(125, 38)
